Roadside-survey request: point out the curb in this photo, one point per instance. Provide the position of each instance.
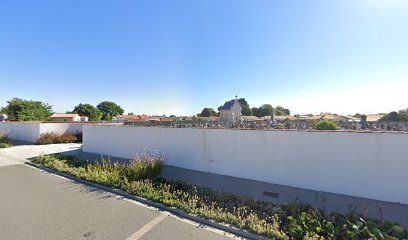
(177, 212)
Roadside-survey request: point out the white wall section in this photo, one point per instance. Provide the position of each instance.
(31, 131)
(370, 165)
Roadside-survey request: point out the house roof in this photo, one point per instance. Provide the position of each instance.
(134, 117)
(168, 119)
(374, 117)
(208, 118)
(228, 105)
(64, 115)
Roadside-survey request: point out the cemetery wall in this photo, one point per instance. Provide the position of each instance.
(31, 131)
(370, 165)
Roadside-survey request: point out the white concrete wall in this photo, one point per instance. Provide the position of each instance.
(60, 128)
(370, 165)
(27, 132)
(31, 131)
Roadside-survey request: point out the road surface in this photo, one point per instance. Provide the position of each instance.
(38, 205)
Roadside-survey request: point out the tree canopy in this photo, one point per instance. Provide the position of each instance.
(246, 110)
(402, 115)
(281, 111)
(85, 109)
(27, 110)
(263, 110)
(109, 110)
(207, 112)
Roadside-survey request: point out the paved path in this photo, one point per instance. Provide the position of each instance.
(37, 205)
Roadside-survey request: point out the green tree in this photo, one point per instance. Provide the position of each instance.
(392, 116)
(281, 111)
(85, 109)
(325, 125)
(110, 108)
(255, 111)
(207, 112)
(27, 110)
(246, 110)
(108, 117)
(263, 110)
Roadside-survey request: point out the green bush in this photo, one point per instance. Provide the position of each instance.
(146, 165)
(325, 125)
(278, 221)
(4, 142)
(53, 138)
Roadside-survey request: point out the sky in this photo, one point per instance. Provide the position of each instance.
(179, 56)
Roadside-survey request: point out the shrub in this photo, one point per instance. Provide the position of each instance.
(145, 165)
(325, 125)
(4, 142)
(278, 221)
(52, 138)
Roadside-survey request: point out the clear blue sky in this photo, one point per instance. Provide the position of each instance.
(176, 57)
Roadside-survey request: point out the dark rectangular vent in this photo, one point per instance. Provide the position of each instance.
(271, 194)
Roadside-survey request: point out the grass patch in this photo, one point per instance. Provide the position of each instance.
(4, 142)
(53, 138)
(278, 221)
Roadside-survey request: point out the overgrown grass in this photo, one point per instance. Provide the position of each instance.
(52, 138)
(278, 221)
(4, 142)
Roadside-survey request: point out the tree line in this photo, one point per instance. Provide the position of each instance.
(18, 109)
(401, 115)
(262, 111)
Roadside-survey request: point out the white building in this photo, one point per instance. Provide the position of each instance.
(231, 112)
(3, 117)
(84, 118)
(65, 117)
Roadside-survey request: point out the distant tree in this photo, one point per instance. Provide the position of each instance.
(27, 110)
(255, 111)
(392, 116)
(108, 117)
(207, 112)
(263, 110)
(281, 111)
(246, 110)
(85, 109)
(172, 115)
(325, 125)
(110, 108)
(402, 115)
(130, 114)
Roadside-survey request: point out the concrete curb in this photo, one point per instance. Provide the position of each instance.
(180, 213)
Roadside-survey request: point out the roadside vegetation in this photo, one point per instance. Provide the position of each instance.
(4, 142)
(294, 220)
(53, 138)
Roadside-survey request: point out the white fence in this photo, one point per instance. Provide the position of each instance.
(31, 131)
(370, 165)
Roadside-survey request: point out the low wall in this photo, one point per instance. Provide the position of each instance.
(31, 131)
(27, 132)
(61, 128)
(370, 165)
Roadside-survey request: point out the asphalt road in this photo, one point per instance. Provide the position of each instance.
(37, 205)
